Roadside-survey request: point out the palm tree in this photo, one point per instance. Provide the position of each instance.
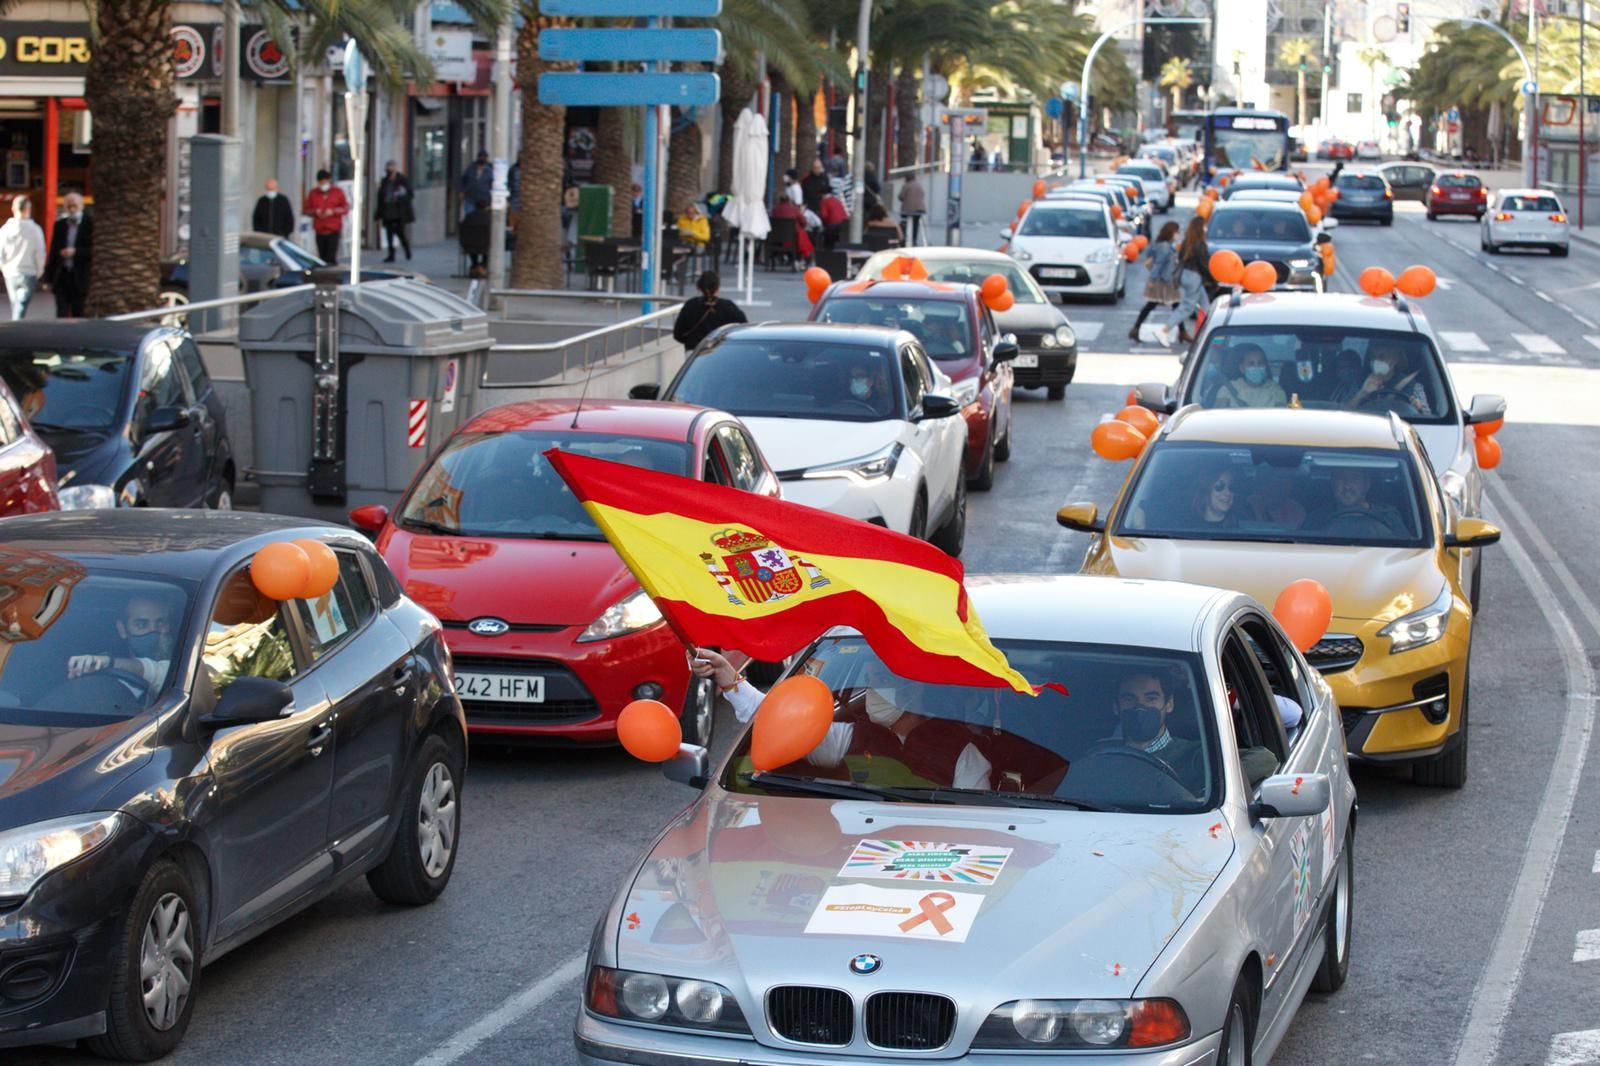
(1296, 52)
(1177, 75)
(1371, 57)
(538, 262)
(613, 165)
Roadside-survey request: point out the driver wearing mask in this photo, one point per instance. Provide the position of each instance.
(145, 636)
(864, 386)
(1387, 374)
(1143, 704)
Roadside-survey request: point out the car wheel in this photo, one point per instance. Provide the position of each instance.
(1235, 1048)
(1056, 392)
(1432, 217)
(919, 516)
(699, 711)
(1388, 221)
(1477, 588)
(983, 478)
(424, 850)
(1448, 769)
(224, 500)
(1335, 966)
(1560, 251)
(1002, 447)
(155, 971)
(1492, 248)
(953, 534)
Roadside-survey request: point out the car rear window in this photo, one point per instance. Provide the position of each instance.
(943, 326)
(1365, 182)
(1530, 203)
(1458, 181)
(1063, 222)
(756, 377)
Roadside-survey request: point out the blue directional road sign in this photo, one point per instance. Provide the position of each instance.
(629, 90)
(664, 46)
(698, 9)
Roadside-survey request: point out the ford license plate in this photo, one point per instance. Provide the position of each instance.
(501, 688)
(1026, 359)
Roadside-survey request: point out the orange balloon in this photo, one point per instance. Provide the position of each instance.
(1204, 208)
(1004, 302)
(1223, 181)
(790, 722)
(1259, 276)
(1142, 241)
(1333, 194)
(1140, 418)
(1226, 267)
(324, 569)
(1116, 440)
(1213, 194)
(1039, 189)
(649, 730)
(1321, 184)
(1488, 429)
(1313, 215)
(1416, 281)
(1022, 208)
(1116, 212)
(1488, 452)
(1304, 610)
(1133, 398)
(1307, 201)
(1376, 281)
(1130, 251)
(817, 278)
(280, 571)
(993, 286)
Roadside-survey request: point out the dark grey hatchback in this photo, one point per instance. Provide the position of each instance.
(185, 763)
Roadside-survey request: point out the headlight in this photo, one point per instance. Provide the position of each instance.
(1047, 341)
(674, 1001)
(87, 498)
(868, 468)
(1301, 264)
(1065, 337)
(630, 614)
(1020, 254)
(964, 392)
(1083, 1023)
(29, 852)
(1422, 627)
(1100, 255)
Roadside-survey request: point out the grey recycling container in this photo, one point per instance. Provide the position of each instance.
(353, 386)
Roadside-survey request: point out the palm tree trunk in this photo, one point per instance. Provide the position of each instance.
(537, 264)
(683, 163)
(877, 111)
(805, 130)
(736, 92)
(907, 122)
(614, 167)
(1300, 77)
(129, 90)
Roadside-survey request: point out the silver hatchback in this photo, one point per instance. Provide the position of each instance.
(1152, 869)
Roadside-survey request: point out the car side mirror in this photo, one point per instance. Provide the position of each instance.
(1006, 351)
(1291, 796)
(648, 391)
(691, 766)
(1486, 407)
(1472, 533)
(249, 700)
(1083, 517)
(1154, 396)
(164, 420)
(369, 519)
(1329, 222)
(935, 406)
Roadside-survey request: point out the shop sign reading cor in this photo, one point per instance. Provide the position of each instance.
(47, 44)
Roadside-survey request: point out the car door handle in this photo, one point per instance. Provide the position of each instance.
(402, 679)
(319, 736)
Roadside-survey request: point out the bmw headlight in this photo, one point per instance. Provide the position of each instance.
(29, 852)
(1100, 255)
(1065, 337)
(87, 497)
(630, 614)
(868, 468)
(1035, 1024)
(673, 1001)
(965, 392)
(1420, 628)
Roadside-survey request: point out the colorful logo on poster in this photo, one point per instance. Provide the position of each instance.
(1300, 861)
(266, 60)
(919, 860)
(188, 51)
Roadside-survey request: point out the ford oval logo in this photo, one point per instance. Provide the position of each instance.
(866, 964)
(488, 627)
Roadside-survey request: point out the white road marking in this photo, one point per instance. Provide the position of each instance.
(1575, 1049)
(1463, 342)
(1538, 342)
(1502, 972)
(1587, 947)
(1544, 296)
(1514, 279)
(1443, 283)
(505, 1015)
(1087, 331)
(1593, 339)
(1586, 321)
(1596, 869)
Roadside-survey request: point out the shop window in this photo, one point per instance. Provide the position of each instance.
(432, 148)
(1352, 103)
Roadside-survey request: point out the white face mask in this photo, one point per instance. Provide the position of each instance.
(324, 185)
(860, 388)
(272, 194)
(1381, 368)
(881, 708)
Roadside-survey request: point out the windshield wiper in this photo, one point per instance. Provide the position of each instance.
(983, 797)
(823, 787)
(422, 525)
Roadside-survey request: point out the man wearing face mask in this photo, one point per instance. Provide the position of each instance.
(1143, 704)
(145, 638)
(273, 214)
(327, 206)
(67, 269)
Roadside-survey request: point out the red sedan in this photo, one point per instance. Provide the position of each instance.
(550, 633)
(27, 465)
(1456, 192)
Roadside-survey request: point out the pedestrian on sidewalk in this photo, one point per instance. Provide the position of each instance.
(66, 269)
(705, 313)
(1161, 284)
(274, 213)
(913, 208)
(814, 186)
(327, 206)
(477, 184)
(1194, 260)
(394, 208)
(21, 256)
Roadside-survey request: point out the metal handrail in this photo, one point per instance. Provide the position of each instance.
(584, 343)
(207, 305)
(571, 294)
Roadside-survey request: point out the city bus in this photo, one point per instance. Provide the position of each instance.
(1237, 138)
(1186, 125)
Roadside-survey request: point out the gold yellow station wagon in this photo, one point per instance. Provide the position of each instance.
(1256, 499)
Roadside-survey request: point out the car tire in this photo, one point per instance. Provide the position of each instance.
(1236, 1048)
(699, 711)
(1559, 251)
(1387, 221)
(1448, 769)
(919, 516)
(1477, 588)
(982, 479)
(1330, 976)
(414, 872)
(1492, 248)
(1432, 217)
(952, 536)
(161, 929)
(1055, 392)
(1002, 447)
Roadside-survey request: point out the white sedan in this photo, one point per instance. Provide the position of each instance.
(1524, 218)
(856, 420)
(1071, 247)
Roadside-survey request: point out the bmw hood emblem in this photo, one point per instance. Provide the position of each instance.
(488, 627)
(866, 964)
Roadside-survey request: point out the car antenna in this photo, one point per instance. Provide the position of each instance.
(582, 393)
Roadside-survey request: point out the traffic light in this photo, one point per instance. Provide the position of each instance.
(1402, 17)
(1302, 64)
(1327, 68)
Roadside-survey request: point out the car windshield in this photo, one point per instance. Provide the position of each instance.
(943, 326)
(81, 646)
(1458, 181)
(1063, 222)
(1153, 173)
(905, 740)
(84, 389)
(972, 272)
(1530, 203)
(1247, 148)
(1362, 182)
(501, 485)
(1257, 223)
(302, 259)
(1205, 491)
(811, 378)
(1350, 369)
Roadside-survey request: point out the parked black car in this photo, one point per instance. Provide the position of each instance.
(130, 412)
(185, 763)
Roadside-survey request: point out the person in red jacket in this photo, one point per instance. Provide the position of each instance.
(327, 206)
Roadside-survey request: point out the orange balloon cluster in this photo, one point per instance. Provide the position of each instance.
(295, 570)
(1124, 435)
(996, 293)
(1226, 267)
(817, 282)
(791, 721)
(905, 268)
(1414, 281)
(1140, 418)
(1212, 194)
(649, 731)
(1205, 207)
(1039, 189)
(1134, 248)
(1485, 445)
(1259, 276)
(1304, 610)
(1376, 281)
(1022, 208)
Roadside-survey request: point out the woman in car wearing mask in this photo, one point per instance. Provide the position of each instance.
(1254, 386)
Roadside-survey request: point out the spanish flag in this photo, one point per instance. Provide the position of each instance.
(735, 570)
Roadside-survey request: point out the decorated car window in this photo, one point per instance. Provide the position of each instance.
(1256, 719)
(1135, 734)
(327, 620)
(1193, 490)
(1346, 369)
(246, 636)
(943, 326)
(1281, 667)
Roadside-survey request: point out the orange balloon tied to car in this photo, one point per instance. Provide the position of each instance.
(1304, 610)
(791, 721)
(1116, 440)
(649, 731)
(280, 571)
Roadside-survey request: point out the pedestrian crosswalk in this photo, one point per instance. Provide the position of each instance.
(1517, 348)
(1575, 1049)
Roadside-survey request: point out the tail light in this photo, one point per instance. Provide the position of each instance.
(1435, 191)
(1504, 216)
(1388, 194)
(1558, 218)
(1481, 192)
